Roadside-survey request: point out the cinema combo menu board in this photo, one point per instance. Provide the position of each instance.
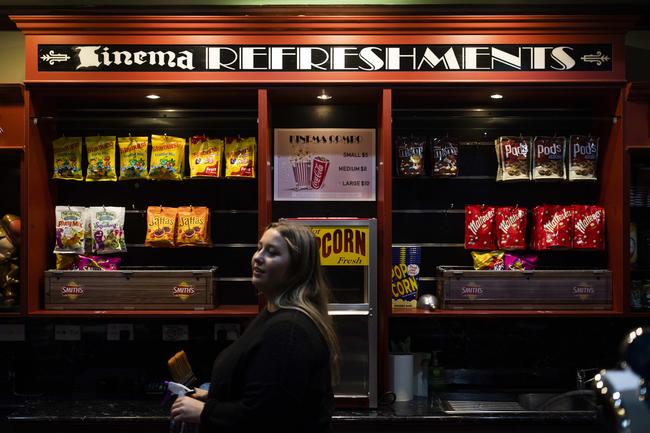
(332, 164)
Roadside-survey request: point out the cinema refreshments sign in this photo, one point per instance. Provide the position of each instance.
(319, 58)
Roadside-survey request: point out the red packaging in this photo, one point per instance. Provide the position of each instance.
(511, 228)
(588, 227)
(553, 227)
(480, 227)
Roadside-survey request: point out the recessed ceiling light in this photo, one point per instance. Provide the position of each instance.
(152, 96)
(496, 96)
(324, 96)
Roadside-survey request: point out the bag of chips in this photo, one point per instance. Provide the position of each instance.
(548, 158)
(193, 226)
(511, 228)
(167, 157)
(101, 158)
(410, 156)
(205, 156)
(73, 262)
(583, 157)
(492, 260)
(107, 227)
(240, 157)
(67, 158)
(70, 229)
(515, 158)
(479, 227)
(133, 157)
(161, 226)
(444, 155)
(512, 262)
(588, 227)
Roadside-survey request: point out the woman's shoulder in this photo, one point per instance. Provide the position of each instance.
(294, 321)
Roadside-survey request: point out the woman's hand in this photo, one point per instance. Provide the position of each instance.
(186, 409)
(200, 394)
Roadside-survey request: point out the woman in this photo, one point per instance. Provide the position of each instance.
(278, 375)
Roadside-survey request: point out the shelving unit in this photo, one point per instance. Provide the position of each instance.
(637, 160)
(429, 212)
(12, 175)
(121, 111)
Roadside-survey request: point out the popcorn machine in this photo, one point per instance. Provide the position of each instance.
(348, 250)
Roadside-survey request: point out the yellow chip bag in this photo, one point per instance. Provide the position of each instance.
(193, 226)
(133, 157)
(205, 156)
(67, 158)
(167, 157)
(240, 157)
(101, 158)
(161, 226)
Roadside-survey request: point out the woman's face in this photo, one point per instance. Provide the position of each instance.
(270, 262)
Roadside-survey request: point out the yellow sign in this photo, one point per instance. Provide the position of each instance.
(342, 246)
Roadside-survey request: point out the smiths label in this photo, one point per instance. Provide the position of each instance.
(342, 246)
(318, 58)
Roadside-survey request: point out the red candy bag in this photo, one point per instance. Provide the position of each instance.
(588, 227)
(480, 227)
(511, 228)
(553, 227)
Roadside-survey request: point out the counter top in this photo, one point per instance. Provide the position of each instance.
(417, 411)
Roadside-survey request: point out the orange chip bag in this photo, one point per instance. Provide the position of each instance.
(205, 156)
(240, 157)
(193, 228)
(161, 226)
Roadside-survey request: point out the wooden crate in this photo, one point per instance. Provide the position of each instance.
(466, 289)
(130, 289)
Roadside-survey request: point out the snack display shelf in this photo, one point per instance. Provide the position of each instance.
(422, 313)
(220, 311)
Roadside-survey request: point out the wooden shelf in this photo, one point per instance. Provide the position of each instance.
(220, 311)
(417, 312)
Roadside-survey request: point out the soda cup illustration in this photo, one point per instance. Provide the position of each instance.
(320, 165)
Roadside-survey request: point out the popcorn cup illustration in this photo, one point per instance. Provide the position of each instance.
(301, 172)
(319, 171)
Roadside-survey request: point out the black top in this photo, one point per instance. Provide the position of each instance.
(276, 378)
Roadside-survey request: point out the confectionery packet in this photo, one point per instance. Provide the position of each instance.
(161, 226)
(492, 260)
(67, 158)
(588, 227)
(511, 227)
(101, 158)
(70, 229)
(583, 157)
(205, 156)
(553, 227)
(410, 155)
(480, 227)
(167, 157)
(515, 158)
(548, 158)
(107, 228)
(133, 157)
(193, 226)
(444, 157)
(240, 156)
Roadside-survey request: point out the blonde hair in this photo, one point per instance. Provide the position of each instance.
(307, 289)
